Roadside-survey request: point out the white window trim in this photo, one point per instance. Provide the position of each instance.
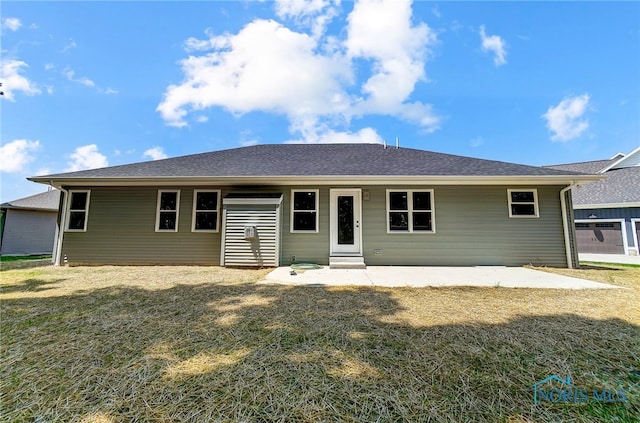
(86, 210)
(194, 211)
(160, 191)
(317, 210)
(635, 224)
(410, 211)
(535, 203)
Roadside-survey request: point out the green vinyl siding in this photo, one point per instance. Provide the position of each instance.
(472, 227)
(121, 230)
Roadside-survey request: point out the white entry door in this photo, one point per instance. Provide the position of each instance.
(346, 221)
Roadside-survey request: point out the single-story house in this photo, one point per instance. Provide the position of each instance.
(339, 204)
(607, 213)
(28, 225)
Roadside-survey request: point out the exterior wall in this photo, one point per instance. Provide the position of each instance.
(121, 230)
(626, 213)
(28, 232)
(472, 228)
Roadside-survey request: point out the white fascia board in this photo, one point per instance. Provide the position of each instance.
(346, 180)
(605, 206)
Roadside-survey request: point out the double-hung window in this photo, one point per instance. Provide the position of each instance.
(167, 211)
(206, 204)
(78, 210)
(410, 211)
(523, 202)
(304, 210)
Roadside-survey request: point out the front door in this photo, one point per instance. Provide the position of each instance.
(345, 219)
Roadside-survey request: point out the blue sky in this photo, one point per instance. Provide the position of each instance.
(90, 84)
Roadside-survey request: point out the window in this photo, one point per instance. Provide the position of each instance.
(410, 211)
(523, 203)
(167, 214)
(78, 211)
(304, 210)
(205, 210)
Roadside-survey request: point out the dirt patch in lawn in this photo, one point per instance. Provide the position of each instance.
(208, 344)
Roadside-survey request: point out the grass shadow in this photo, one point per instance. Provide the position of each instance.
(30, 285)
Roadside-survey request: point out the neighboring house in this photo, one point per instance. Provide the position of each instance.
(337, 204)
(607, 212)
(29, 224)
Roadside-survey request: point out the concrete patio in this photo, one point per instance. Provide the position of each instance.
(418, 277)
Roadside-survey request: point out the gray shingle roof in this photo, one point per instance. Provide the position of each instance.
(314, 160)
(44, 201)
(621, 185)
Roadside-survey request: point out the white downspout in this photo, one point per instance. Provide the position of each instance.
(63, 224)
(565, 224)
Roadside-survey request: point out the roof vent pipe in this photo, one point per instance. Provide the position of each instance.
(397, 143)
(385, 144)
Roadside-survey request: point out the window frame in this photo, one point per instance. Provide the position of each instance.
(410, 210)
(177, 210)
(70, 210)
(195, 211)
(316, 210)
(535, 203)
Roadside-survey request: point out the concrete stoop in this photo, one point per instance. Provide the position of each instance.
(347, 262)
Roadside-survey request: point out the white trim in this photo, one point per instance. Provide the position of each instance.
(194, 211)
(410, 210)
(347, 180)
(622, 159)
(317, 210)
(623, 229)
(160, 192)
(635, 225)
(605, 206)
(252, 201)
(535, 203)
(85, 210)
(334, 248)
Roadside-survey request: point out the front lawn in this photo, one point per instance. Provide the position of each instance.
(112, 344)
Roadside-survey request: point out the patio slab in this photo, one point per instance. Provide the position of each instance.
(418, 277)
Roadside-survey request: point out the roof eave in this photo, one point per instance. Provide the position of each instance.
(323, 180)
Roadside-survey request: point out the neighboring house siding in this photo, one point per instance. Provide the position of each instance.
(28, 232)
(472, 228)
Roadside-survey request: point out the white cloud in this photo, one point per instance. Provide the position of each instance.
(72, 44)
(13, 82)
(86, 157)
(264, 67)
(329, 136)
(565, 120)
(12, 24)
(70, 75)
(310, 78)
(155, 153)
(15, 155)
(476, 142)
(314, 14)
(494, 44)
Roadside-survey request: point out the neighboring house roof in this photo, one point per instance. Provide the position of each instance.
(312, 160)
(47, 201)
(620, 189)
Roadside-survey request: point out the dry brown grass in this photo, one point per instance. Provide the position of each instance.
(112, 344)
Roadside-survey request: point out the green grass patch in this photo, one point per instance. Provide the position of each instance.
(21, 258)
